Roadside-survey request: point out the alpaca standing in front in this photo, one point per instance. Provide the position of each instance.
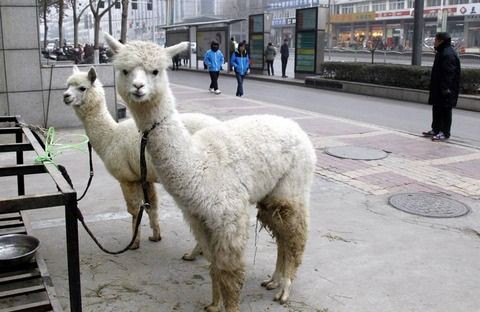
(118, 144)
(217, 173)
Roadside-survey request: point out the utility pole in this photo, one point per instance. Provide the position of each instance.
(417, 33)
(109, 18)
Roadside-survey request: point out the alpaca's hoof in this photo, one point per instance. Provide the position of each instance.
(135, 245)
(155, 238)
(189, 257)
(213, 308)
(284, 293)
(270, 284)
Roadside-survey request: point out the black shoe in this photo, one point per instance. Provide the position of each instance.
(284, 76)
(430, 133)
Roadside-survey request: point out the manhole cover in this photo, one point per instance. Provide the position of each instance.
(356, 152)
(428, 205)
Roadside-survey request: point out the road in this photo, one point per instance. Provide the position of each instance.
(398, 115)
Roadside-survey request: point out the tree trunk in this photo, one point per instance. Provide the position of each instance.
(61, 13)
(97, 32)
(123, 33)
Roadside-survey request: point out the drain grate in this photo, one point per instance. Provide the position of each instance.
(428, 205)
(356, 152)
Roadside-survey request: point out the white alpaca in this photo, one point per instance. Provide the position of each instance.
(215, 174)
(118, 144)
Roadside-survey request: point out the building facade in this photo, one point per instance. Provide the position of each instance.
(355, 23)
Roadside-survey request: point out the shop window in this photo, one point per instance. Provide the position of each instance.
(411, 3)
(432, 3)
(457, 1)
(379, 6)
(475, 1)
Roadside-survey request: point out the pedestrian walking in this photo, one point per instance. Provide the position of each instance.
(214, 61)
(285, 54)
(444, 87)
(240, 63)
(270, 54)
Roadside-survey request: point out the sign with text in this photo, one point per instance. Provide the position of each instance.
(256, 51)
(306, 19)
(305, 51)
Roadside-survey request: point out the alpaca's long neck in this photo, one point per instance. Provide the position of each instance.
(98, 123)
(170, 145)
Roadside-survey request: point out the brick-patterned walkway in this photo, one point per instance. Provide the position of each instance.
(414, 163)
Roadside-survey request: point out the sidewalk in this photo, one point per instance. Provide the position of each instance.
(362, 254)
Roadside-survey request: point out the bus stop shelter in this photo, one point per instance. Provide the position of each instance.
(200, 32)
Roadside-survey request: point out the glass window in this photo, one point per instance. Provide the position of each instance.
(431, 3)
(346, 8)
(396, 4)
(379, 6)
(361, 7)
(411, 3)
(457, 1)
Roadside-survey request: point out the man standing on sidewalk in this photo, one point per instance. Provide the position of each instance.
(444, 87)
(285, 55)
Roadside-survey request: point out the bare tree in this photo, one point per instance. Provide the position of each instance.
(77, 17)
(123, 32)
(45, 6)
(97, 16)
(61, 14)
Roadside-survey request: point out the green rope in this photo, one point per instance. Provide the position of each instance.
(53, 148)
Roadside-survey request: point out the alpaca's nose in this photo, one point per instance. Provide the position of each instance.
(66, 96)
(138, 85)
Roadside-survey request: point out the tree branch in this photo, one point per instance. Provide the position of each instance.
(108, 9)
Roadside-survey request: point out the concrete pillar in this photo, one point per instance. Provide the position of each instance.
(21, 80)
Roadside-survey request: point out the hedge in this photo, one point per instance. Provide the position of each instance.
(403, 76)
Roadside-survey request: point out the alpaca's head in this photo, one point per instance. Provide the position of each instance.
(141, 69)
(82, 89)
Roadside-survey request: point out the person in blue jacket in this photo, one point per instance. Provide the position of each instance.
(240, 63)
(214, 61)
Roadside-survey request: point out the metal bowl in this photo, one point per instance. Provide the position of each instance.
(16, 249)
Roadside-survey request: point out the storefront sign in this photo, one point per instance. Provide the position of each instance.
(468, 9)
(352, 17)
(294, 4)
(283, 21)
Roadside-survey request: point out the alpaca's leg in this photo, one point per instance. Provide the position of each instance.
(133, 199)
(153, 214)
(266, 218)
(196, 251)
(230, 283)
(289, 224)
(216, 305)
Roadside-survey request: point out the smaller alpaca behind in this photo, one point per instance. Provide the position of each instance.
(118, 145)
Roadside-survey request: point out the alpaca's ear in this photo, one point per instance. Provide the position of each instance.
(75, 69)
(92, 75)
(178, 48)
(113, 43)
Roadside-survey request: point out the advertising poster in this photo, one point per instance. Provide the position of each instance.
(307, 19)
(204, 40)
(256, 23)
(256, 51)
(305, 45)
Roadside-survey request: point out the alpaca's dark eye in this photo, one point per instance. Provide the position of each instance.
(155, 72)
(125, 72)
(82, 89)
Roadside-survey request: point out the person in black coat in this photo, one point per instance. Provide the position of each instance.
(285, 54)
(444, 87)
